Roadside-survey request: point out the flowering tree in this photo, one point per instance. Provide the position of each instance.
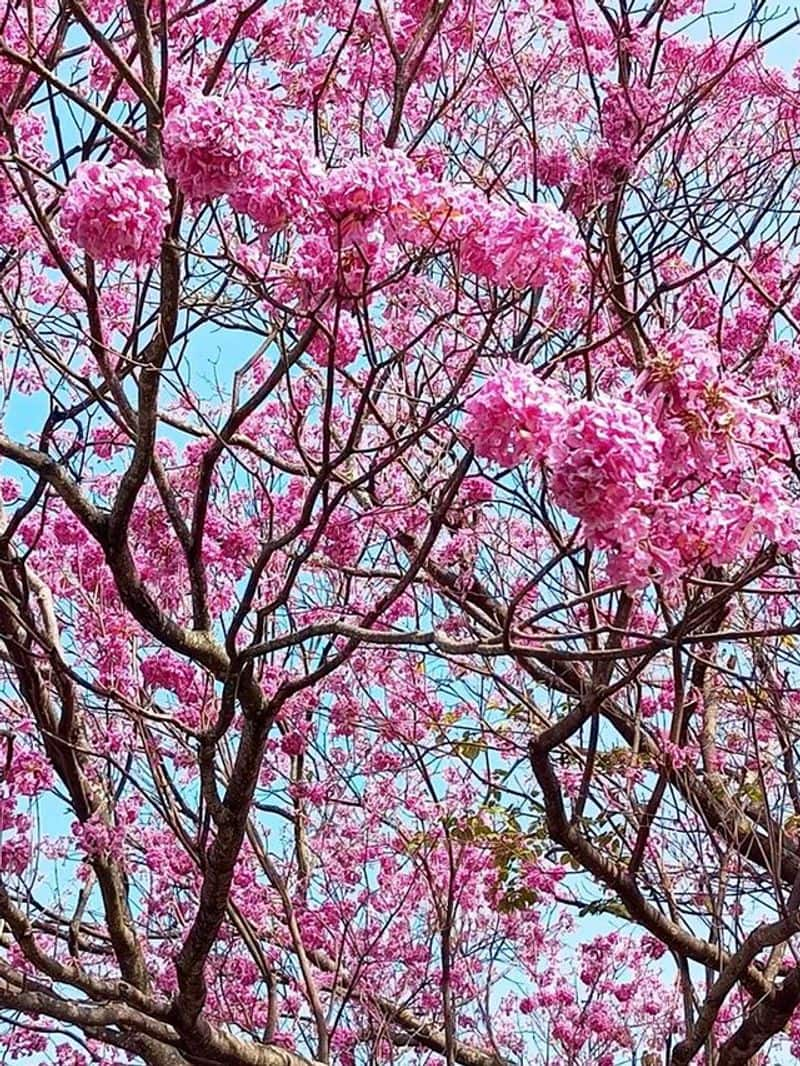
(400, 531)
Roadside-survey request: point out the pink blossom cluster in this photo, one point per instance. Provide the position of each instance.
(606, 461)
(341, 344)
(618, 974)
(625, 112)
(365, 207)
(238, 147)
(210, 143)
(638, 474)
(353, 218)
(605, 455)
(98, 837)
(29, 772)
(370, 185)
(272, 192)
(495, 241)
(15, 842)
(117, 213)
(676, 756)
(514, 416)
(519, 249)
(682, 383)
(166, 670)
(435, 214)
(21, 24)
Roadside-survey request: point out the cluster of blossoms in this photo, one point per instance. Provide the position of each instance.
(390, 196)
(606, 461)
(625, 114)
(351, 222)
(605, 456)
(515, 416)
(374, 208)
(239, 147)
(19, 25)
(117, 213)
(509, 247)
(670, 477)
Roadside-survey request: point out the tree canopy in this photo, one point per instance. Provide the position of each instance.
(399, 533)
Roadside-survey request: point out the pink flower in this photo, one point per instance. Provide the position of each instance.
(117, 213)
(514, 416)
(519, 249)
(210, 142)
(367, 186)
(606, 462)
(277, 184)
(675, 756)
(476, 490)
(166, 670)
(293, 742)
(685, 370)
(10, 489)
